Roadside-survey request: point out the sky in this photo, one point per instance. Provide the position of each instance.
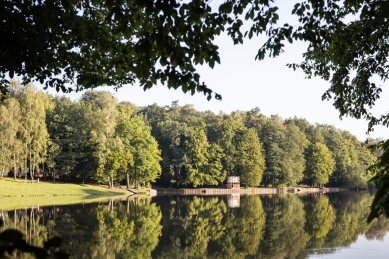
(245, 83)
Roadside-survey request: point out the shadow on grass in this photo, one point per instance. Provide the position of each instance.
(104, 191)
(10, 188)
(18, 194)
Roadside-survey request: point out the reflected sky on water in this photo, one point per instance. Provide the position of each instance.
(361, 249)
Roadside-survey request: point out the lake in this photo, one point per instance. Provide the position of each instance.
(233, 226)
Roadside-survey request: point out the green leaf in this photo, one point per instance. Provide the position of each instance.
(127, 33)
(153, 80)
(184, 88)
(211, 63)
(149, 84)
(262, 55)
(119, 72)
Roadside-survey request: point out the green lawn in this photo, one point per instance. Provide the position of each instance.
(18, 194)
(10, 187)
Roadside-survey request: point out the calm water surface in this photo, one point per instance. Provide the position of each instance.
(277, 226)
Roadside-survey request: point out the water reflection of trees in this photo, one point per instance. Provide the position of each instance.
(278, 226)
(27, 222)
(285, 236)
(116, 230)
(199, 227)
(351, 210)
(274, 226)
(243, 230)
(378, 229)
(194, 222)
(320, 218)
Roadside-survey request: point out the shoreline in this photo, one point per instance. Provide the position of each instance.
(224, 191)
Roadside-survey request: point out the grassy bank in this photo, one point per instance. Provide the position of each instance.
(20, 194)
(19, 188)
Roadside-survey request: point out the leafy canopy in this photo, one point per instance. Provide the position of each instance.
(81, 44)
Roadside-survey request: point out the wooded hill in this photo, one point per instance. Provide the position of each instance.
(98, 139)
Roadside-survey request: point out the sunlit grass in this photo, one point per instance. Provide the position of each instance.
(19, 188)
(19, 194)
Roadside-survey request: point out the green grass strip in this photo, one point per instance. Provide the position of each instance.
(20, 194)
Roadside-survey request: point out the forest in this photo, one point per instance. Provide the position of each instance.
(96, 139)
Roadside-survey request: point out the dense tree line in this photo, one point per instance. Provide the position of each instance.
(96, 138)
(263, 151)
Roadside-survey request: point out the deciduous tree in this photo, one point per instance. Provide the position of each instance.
(320, 164)
(137, 138)
(250, 158)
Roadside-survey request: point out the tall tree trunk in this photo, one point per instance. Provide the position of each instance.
(136, 183)
(15, 170)
(128, 179)
(26, 167)
(31, 166)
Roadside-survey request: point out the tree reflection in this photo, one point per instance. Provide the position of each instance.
(196, 222)
(244, 230)
(27, 221)
(285, 236)
(378, 229)
(273, 226)
(145, 217)
(352, 210)
(97, 231)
